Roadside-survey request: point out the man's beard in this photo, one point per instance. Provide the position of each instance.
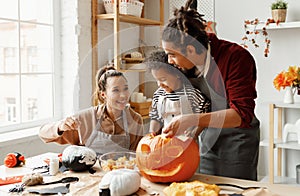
(190, 73)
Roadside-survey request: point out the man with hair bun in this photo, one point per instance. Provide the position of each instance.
(226, 73)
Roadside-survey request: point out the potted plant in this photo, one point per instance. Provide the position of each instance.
(279, 10)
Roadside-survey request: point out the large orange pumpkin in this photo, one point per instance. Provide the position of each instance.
(162, 159)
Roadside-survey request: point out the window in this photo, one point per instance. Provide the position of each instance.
(28, 34)
(10, 63)
(32, 59)
(32, 109)
(10, 107)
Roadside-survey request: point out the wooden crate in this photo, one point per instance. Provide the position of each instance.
(141, 108)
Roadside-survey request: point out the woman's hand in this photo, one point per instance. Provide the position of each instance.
(180, 124)
(70, 123)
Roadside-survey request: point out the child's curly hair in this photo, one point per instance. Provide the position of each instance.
(159, 60)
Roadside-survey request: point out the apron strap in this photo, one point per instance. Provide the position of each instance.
(161, 104)
(186, 107)
(125, 122)
(93, 135)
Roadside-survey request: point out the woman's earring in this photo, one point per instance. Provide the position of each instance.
(103, 96)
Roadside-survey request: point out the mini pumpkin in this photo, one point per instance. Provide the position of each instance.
(162, 159)
(121, 182)
(14, 159)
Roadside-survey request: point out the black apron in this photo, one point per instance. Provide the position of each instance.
(230, 152)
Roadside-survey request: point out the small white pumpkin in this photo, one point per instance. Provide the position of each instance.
(121, 182)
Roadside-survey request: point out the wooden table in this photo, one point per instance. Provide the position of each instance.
(88, 183)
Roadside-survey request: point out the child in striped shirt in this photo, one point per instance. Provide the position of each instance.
(174, 96)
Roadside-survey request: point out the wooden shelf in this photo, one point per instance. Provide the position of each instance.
(133, 70)
(140, 67)
(288, 145)
(292, 145)
(295, 105)
(266, 142)
(130, 19)
(280, 180)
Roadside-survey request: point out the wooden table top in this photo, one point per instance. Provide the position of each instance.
(88, 183)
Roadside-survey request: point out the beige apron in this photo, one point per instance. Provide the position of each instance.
(102, 142)
(168, 109)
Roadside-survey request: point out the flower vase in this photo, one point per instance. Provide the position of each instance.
(289, 95)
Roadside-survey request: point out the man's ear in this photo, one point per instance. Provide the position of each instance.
(190, 49)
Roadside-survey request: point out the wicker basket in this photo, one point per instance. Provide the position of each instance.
(128, 7)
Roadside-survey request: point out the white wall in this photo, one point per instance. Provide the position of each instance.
(284, 51)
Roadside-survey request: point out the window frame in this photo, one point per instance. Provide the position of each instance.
(56, 76)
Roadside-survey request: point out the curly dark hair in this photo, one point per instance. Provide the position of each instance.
(186, 28)
(156, 60)
(159, 60)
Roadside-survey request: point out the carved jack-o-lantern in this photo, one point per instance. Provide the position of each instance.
(161, 159)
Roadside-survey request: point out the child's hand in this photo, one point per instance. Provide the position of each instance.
(179, 124)
(70, 123)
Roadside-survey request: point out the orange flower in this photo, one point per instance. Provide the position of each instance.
(288, 78)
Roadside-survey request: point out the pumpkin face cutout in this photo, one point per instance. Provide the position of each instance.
(161, 159)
